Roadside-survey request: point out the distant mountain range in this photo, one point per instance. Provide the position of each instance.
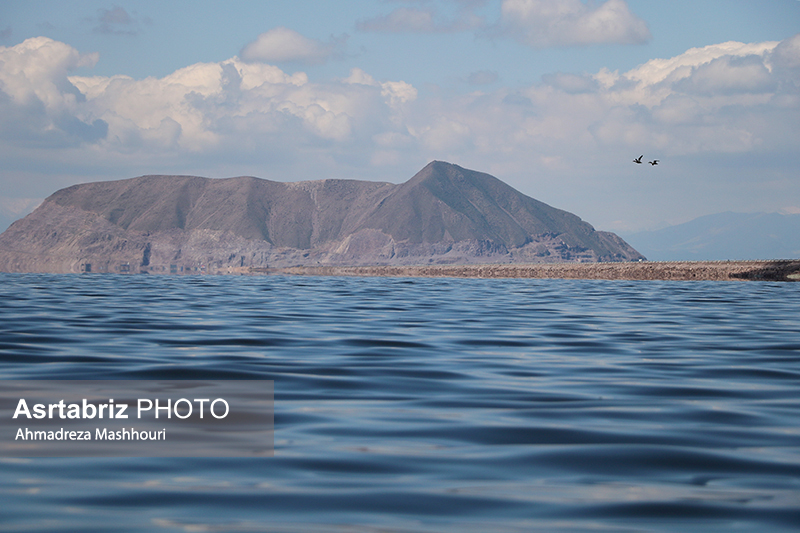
(723, 236)
(445, 214)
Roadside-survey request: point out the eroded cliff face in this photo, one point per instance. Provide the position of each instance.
(443, 215)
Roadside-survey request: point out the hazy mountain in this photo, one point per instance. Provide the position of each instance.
(723, 236)
(444, 214)
(12, 209)
(6, 220)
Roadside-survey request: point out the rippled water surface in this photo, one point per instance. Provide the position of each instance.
(429, 404)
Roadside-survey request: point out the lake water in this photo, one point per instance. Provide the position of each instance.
(409, 404)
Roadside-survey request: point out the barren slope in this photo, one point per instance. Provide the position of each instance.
(444, 214)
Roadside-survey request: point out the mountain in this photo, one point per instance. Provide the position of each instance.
(445, 214)
(723, 236)
(6, 220)
(12, 209)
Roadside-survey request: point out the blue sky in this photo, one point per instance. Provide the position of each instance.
(555, 97)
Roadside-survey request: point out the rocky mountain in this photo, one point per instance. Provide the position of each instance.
(12, 209)
(445, 214)
(723, 236)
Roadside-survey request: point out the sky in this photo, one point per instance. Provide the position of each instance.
(554, 97)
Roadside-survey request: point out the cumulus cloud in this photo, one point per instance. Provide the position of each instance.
(718, 101)
(675, 68)
(729, 75)
(543, 23)
(730, 98)
(784, 63)
(199, 108)
(280, 45)
(703, 113)
(707, 98)
(720, 71)
(38, 103)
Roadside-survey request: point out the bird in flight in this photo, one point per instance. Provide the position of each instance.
(638, 160)
(654, 162)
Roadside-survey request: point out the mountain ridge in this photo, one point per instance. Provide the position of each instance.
(723, 236)
(444, 214)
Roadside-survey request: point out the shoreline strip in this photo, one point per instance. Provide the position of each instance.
(773, 270)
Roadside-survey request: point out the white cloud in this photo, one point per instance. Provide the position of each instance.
(281, 44)
(707, 104)
(231, 104)
(445, 134)
(787, 53)
(674, 68)
(36, 69)
(730, 75)
(38, 103)
(704, 99)
(202, 107)
(706, 114)
(543, 23)
(360, 77)
(398, 92)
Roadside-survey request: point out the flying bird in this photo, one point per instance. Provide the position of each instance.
(654, 162)
(638, 160)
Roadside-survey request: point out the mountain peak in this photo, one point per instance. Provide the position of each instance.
(444, 214)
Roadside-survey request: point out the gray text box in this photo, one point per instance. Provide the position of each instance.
(86, 418)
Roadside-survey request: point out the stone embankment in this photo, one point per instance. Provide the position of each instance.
(774, 270)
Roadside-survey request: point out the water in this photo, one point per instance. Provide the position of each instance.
(429, 404)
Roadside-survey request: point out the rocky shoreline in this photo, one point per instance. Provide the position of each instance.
(773, 270)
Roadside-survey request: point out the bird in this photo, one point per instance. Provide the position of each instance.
(654, 162)
(638, 160)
